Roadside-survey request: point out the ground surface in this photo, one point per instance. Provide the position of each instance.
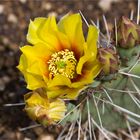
(14, 19)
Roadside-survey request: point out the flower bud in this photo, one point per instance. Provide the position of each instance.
(42, 110)
(128, 33)
(109, 60)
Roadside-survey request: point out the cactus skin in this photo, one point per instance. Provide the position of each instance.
(112, 118)
(128, 33)
(129, 56)
(116, 84)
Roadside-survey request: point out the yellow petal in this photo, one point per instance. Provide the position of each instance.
(32, 35)
(44, 30)
(94, 69)
(33, 98)
(39, 67)
(64, 93)
(33, 81)
(57, 110)
(39, 25)
(71, 25)
(62, 41)
(72, 93)
(90, 48)
(34, 68)
(50, 35)
(87, 75)
(87, 56)
(37, 58)
(54, 93)
(38, 51)
(92, 38)
(59, 80)
(22, 63)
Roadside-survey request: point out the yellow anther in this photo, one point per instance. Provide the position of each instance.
(63, 62)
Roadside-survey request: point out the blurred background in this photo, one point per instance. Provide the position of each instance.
(14, 20)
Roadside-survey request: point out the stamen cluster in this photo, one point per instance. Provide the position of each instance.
(64, 63)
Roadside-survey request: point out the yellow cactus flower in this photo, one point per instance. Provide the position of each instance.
(45, 111)
(60, 59)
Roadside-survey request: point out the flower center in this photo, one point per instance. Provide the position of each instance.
(63, 62)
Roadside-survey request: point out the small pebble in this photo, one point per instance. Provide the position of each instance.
(2, 85)
(90, 7)
(1, 9)
(105, 5)
(46, 137)
(5, 41)
(47, 6)
(2, 48)
(6, 79)
(12, 18)
(27, 138)
(23, 1)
